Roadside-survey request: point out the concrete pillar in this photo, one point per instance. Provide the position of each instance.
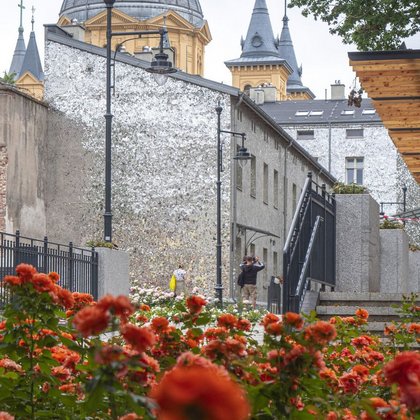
(112, 272)
(394, 261)
(413, 272)
(357, 243)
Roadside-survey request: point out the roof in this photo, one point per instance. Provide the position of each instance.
(32, 61)
(260, 41)
(255, 61)
(392, 80)
(18, 55)
(83, 10)
(317, 111)
(55, 34)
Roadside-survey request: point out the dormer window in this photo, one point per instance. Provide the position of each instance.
(256, 41)
(316, 113)
(302, 113)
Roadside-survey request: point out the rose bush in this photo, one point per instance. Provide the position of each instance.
(64, 356)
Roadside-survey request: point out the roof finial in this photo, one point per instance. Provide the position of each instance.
(21, 6)
(285, 7)
(33, 18)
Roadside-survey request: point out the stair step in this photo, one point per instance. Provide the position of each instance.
(361, 300)
(342, 310)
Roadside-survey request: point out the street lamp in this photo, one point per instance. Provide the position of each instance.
(160, 67)
(242, 157)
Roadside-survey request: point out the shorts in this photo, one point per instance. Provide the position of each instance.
(249, 292)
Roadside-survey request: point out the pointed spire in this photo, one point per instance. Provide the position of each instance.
(260, 40)
(32, 61)
(20, 49)
(166, 42)
(287, 52)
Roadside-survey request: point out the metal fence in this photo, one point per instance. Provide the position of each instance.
(309, 252)
(77, 267)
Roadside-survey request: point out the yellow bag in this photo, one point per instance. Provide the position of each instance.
(172, 283)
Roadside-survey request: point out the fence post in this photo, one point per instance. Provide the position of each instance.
(17, 249)
(94, 273)
(71, 268)
(45, 256)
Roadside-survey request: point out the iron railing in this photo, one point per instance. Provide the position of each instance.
(309, 251)
(77, 267)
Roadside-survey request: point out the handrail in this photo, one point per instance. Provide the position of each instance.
(300, 292)
(306, 186)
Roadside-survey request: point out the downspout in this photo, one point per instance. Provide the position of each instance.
(234, 229)
(329, 146)
(285, 189)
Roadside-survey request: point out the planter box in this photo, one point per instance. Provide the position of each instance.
(357, 243)
(112, 272)
(394, 261)
(413, 284)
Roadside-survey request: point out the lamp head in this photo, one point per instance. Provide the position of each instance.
(242, 156)
(160, 67)
(109, 3)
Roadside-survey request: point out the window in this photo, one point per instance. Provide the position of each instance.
(354, 170)
(275, 264)
(347, 112)
(301, 113)
(354, 133)
(265, 259)
(276, 144)
(238, 172)
(316, 113)
(294, 198)
(305, 134)
(368, 111)
(266, 138)
(239, 115)
(253, 126)
(276, 189)
(252, 250)
(253, 176)
(265, 184)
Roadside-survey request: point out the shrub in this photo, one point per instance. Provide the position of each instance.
(341, 188)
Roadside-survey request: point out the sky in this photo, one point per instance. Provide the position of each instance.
(323, 56)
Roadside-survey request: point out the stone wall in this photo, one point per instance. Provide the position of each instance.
(164, 164)
(23, 124)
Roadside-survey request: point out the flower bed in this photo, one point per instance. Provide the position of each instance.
(184, 360)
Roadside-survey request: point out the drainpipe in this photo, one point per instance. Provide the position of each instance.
(285, 189)
(329, 146)
(234, 228)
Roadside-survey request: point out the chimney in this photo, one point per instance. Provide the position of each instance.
(263, 94)
(338, 91)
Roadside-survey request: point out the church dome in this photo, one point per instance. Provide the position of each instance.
(83, 10)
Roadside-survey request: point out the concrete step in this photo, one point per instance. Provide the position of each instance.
(361, 300)
(376, 313)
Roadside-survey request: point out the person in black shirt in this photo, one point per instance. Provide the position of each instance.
(250, 268)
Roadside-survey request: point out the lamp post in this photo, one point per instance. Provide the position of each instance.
(160, 67)
(242, 156)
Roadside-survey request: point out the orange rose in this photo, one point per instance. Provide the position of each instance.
(140, 338)
(293, 319)
(6, 416)
(227, 320)
(195, 304)
(199, 390)
(91, 320)
(25, 272)
(321, 332)
(159, 323)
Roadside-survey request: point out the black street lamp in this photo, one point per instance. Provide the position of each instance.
(160, 67)
(242, 156)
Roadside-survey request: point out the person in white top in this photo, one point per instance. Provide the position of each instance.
(181, 277)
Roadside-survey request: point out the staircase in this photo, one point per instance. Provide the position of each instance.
(379, 305)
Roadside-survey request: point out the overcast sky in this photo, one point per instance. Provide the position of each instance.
(323, 56)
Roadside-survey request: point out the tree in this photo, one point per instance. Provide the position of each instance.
(8, 78)
(371, 25)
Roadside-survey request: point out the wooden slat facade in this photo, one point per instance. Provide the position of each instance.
(392, 80)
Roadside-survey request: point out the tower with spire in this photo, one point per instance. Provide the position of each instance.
(31, 76)
(20, 48)
(266, 60)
